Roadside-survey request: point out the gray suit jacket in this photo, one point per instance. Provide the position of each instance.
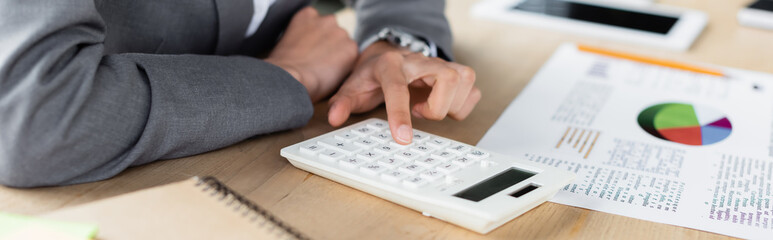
(91, 87)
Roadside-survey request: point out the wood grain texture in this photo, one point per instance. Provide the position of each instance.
(505, 58)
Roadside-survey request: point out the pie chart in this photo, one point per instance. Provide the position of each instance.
(685, 123)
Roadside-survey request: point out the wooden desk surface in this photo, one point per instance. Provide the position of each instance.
(505, 58)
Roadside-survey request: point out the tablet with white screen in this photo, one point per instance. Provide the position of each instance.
(648, 24)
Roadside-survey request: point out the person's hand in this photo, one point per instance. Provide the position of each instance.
(385, 73)
(316, 51)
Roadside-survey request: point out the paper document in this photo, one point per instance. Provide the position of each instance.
(650, 142)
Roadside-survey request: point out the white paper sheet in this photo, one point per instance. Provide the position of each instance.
(581, 113)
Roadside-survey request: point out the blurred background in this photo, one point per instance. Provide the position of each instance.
(328, 6)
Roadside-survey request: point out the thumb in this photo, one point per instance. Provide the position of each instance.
(340, 109)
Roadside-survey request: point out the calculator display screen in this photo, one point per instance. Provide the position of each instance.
(598, 14)
(494, 184)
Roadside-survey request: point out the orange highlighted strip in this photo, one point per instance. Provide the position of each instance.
(653, 61)
(563, 137)
(592, 144)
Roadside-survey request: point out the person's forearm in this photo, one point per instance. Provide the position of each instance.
(69, 115)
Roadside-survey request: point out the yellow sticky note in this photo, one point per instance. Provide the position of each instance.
(14, 226)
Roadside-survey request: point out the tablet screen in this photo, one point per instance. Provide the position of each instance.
(766, 5)
(599, 14)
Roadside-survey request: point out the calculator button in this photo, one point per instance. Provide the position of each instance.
(463, 161)
(393, 176)
(415, 182)
(478, 154)
(372, 169)
(369, 156)
(385, 149)
(381, 137)
(459, 148)
(400, 146)
(311, 149)
(407, 155)
(331, 156)
(348, 137)
(363, 131)
(448, 168)
(432, 175)
(449, 179)
(485, 163)
(419, 136)
(339, 145)
(428, 162)
(351, 163)
(438, 142)
(411, 169)
(378, 125)
(421, 149)
(443, 155)
(390, 163)
(365, 143)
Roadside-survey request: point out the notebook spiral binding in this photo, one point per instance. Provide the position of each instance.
(217, 188)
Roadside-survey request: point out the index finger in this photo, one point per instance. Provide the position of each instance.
(396, 96)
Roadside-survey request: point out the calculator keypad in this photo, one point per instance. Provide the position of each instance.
(370, 150)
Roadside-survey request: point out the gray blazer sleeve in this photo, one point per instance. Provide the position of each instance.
(69, 114)
(423, 18)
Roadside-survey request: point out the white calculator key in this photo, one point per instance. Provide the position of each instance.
(443, 155)
(407, 155)
(331, 156)
(400, 145)
(311, 149)
(385, 149)
(393, 176)
(428, 162)
(411, 169)
(349, 137)
(339, 145)
(383, 137)
(448, 168)
(432, 175)
(369, 156)
(397, 145)
(378, 125)
(438, 142)
(485, 163)
(390, 163)
(459, 148)
(421, 149)
(449, 179)
(372, 169)
(419, 136)
(351, 163)
(463, 161)
(365, 143)
(363, 131)
(478, 154)
(415, 182)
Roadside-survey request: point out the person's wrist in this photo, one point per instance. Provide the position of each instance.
(381, 47)
(295, 73)
(287, 67)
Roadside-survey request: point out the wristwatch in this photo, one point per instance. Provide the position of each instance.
(401, 39)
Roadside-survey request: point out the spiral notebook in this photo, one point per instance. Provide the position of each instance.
(197, 208)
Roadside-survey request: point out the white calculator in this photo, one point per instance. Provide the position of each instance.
(452, 181)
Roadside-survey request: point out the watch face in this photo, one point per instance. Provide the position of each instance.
(403, 39)
(419, 47)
